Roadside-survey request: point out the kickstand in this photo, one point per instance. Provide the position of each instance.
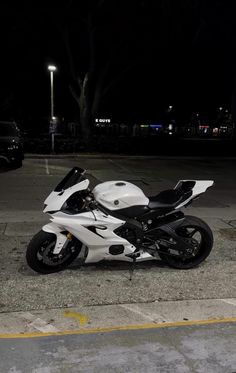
(132, 268)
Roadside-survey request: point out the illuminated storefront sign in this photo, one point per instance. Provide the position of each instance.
(215, 131)
(157, 126)
(204, 129)
(223, 129)
(102, 120)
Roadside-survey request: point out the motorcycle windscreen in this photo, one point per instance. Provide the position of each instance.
(74, 176)
(55, 200)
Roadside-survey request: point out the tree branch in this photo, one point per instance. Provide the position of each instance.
(198, 32)
(118, 77)
(70, 59)
(74, 94)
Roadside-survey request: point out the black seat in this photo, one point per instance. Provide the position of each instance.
(169, 199)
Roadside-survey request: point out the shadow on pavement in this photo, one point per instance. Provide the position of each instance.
(116, 266)
(99, 267)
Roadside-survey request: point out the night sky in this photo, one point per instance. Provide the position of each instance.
(142, 55)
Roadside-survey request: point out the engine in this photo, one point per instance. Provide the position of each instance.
(128, 234)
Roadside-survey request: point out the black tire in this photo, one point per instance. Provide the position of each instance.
(39, 254)
(204, 248)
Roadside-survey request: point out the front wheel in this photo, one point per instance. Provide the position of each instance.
(201, 237)
(40, 256)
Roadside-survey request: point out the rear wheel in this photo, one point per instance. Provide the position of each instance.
(40, 256)
(199, 234)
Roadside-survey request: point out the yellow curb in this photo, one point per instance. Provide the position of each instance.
(118, 328)
(81, 318)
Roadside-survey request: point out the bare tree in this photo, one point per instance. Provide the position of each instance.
(96, 66)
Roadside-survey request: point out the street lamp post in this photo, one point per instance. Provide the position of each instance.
(52, 69)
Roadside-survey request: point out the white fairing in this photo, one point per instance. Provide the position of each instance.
(99, 242)
(55, 200)
(116, 195)
(200, 187)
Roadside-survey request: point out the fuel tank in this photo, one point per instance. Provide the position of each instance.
(116, 195)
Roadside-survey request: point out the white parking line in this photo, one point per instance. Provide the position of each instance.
(116, 164)
(38, 323)
(229, 301)
(47, 167)
(146, 315)
(43, 326)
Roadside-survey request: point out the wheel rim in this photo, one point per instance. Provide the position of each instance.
(45, 253)
(195, 236)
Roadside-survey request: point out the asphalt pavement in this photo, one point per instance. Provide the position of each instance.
(189, 349)
(32, 305)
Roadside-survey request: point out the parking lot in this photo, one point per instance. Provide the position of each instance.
(24, 190)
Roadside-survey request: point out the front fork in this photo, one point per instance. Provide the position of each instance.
(62, 238)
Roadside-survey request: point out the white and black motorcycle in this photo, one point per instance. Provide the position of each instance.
(116, 221)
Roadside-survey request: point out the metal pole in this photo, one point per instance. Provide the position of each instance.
(52, 110)
(53, 143)
(52, 98)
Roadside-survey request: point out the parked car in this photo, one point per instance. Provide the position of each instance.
(11, 144)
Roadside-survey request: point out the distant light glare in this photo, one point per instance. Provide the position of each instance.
(157, 126)
(52, 68)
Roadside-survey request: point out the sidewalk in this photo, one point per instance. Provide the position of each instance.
(106, 318)
(118, 156)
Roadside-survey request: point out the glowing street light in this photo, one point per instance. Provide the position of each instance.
(52, 69)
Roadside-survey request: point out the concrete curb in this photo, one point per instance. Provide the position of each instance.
(105, 318)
